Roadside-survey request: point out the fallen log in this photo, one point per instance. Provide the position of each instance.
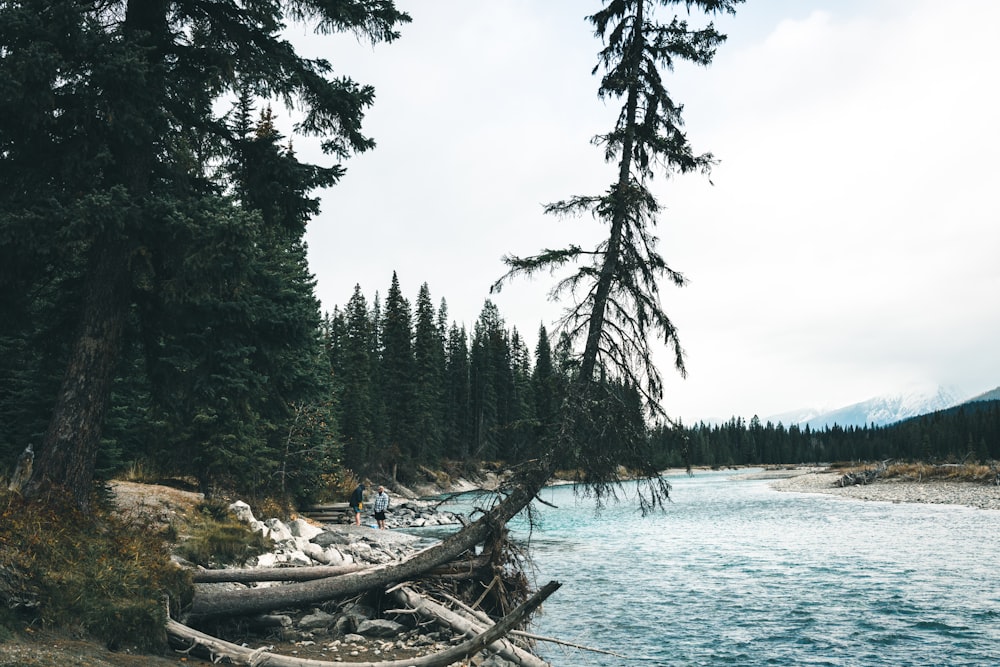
(246, 576)
(459, 569)
(220, 649)
(432, 610)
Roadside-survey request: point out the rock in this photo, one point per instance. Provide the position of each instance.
(277, 530)
(304, 529)
(380, 627)
(298, 558)
(317, 619)
(329, 537)
(265, 621)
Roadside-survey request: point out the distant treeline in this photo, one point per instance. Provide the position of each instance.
(968, 432)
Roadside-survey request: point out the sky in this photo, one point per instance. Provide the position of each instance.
(846, 246)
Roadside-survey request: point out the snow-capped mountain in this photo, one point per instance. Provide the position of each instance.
(917, 400)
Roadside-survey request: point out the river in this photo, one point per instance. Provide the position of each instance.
(736, 573)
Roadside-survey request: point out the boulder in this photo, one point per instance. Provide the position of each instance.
(277, 530)
(304, 529)
(330, 537)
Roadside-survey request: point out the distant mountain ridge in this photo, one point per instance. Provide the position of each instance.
(882, 410)
(991, 395)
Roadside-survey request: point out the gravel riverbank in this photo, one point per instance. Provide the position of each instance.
(813, 480)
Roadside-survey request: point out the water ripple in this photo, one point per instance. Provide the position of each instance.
(734, 573)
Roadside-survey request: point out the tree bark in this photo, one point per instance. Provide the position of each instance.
(69, 448)
(68, 451)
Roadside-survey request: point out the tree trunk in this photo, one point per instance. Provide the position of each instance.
(69, 448)
(457, 569)
(68, 451)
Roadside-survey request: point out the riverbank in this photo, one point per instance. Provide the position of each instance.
(939, 492)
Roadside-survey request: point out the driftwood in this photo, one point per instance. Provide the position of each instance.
(273, 574)
(444, 616)
(482, 617)
(299, 594)
(866, 476)
(458, 569)
(220, 649)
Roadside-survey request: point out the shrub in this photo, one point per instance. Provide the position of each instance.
(93, 574)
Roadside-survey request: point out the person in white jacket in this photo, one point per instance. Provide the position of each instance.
(380, 506)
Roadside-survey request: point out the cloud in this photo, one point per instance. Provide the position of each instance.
(847, 245)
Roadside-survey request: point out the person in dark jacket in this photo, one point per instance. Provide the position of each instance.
(357, 497)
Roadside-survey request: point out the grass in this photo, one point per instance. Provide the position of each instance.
(955, 472)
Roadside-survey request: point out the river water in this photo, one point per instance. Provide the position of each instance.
(736, 573)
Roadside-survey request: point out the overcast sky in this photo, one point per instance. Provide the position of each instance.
(848, 245)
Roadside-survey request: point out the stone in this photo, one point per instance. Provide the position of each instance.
(267, 560)
(298, 558)
(380, 627)
(303, 529)
(329, 537)
(333, 556)
(277, 530)
(317, 619)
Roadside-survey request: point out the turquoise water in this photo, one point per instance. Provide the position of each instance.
(735, 573)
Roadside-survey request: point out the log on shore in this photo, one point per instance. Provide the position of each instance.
(458, 569)
(247, 576)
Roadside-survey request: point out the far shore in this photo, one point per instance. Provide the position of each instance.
(822, 480)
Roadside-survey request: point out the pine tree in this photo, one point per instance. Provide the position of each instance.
(397, 374)
(546, 387)
(457, 392)
(428, 357)
(620, 308)
(488, 369)
(355, 373)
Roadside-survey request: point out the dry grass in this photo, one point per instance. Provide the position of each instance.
(100, 575)
(976, 473)
(953, 472)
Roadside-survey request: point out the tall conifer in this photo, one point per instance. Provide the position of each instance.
(397, 377)
(618, 280)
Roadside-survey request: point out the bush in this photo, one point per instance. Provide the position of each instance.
(92, 574)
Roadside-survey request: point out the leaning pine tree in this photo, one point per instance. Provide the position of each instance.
(616, 308)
